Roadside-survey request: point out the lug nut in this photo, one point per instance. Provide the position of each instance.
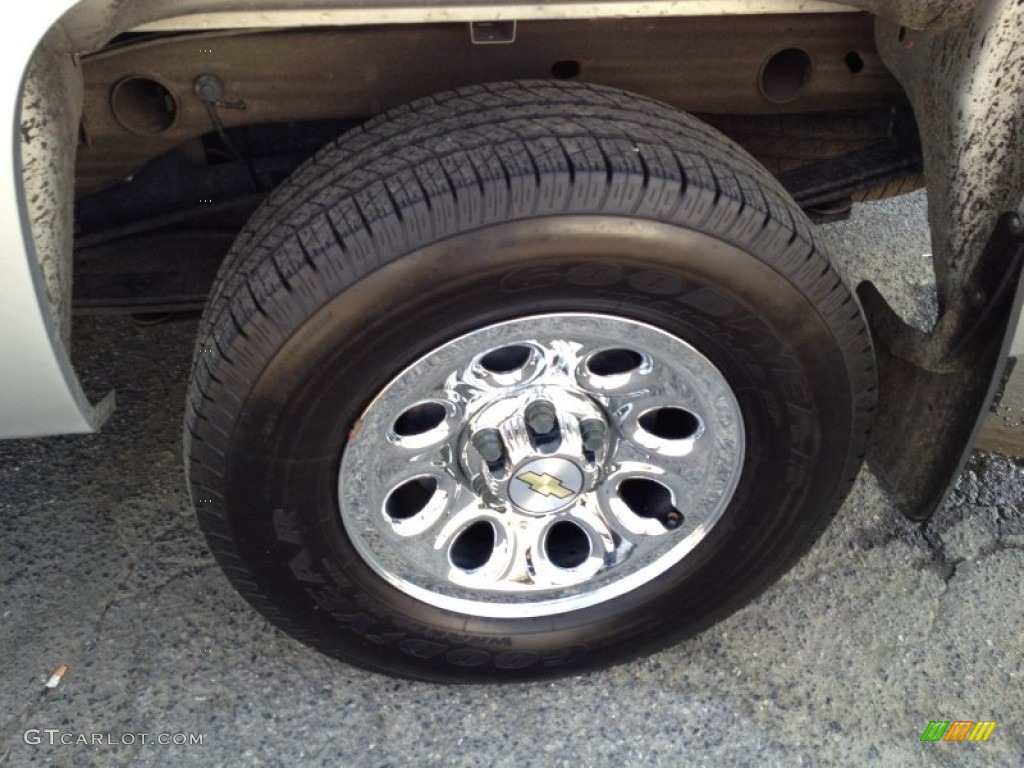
(488, 444)
(592, 431)
(481, 489)
(540, 417)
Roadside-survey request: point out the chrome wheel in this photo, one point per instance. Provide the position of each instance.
(541, 465)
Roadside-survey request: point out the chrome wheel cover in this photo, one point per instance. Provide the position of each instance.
(541, 465)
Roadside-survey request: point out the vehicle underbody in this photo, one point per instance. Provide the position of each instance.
(161, 163)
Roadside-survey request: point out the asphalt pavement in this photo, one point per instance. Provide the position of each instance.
(884, 627)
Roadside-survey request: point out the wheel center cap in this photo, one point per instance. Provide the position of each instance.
(545, 485)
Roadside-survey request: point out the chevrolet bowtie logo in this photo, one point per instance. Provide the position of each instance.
(545, 485)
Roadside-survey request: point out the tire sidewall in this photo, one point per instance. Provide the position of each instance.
(287, 439)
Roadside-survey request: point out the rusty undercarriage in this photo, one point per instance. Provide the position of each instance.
(183, 134)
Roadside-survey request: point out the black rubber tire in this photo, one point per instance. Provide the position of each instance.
(477, 206)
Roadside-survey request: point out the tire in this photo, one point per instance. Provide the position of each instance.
(893, 188)
(519, 208)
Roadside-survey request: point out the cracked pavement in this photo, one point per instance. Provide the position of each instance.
(884, 626)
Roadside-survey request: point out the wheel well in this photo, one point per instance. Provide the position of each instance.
(199, 127)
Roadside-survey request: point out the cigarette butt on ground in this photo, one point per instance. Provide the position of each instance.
(58, 673)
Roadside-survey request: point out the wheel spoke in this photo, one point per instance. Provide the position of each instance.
(561, 552)
(418, 502)
(467, 557)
